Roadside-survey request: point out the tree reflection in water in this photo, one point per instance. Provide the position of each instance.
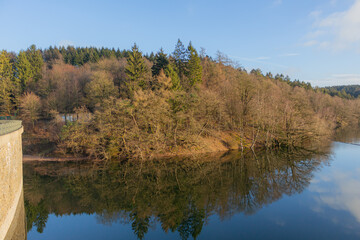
(179, 194)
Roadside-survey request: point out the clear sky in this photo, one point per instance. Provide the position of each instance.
(311, 40)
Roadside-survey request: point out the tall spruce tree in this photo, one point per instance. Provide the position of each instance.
(51, 54)
(180, 57)
(6, 83)
(36, 60)
(24, 70)
(175, 79)
(161, 62)
(135, 70)
(194, 67)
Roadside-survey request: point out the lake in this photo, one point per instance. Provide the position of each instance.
(303, 194)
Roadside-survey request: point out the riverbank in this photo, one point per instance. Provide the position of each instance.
(40, 148)
(223, 143)
(33, 158)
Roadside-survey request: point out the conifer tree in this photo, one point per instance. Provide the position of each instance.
(93, 56)
(24, 70)
(51, 54)
(6, 83)
(135, 70)
(36, 61)
(151, 57)
(194, 67)
(175, 80)
(180, 58)
(161, 62)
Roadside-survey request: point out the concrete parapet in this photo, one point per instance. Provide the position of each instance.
(7, 127)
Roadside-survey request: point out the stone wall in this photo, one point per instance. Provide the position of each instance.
(11, 180)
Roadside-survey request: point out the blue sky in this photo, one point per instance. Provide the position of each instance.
(311, 40)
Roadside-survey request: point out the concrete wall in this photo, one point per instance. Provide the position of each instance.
(11, 182)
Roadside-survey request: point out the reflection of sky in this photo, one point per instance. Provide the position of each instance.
(84, 226)
(337, 188)
(328, 209)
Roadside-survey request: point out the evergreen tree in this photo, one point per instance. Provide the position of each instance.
(139, 225)
(36, 61)
(151, 57)
(175, 80)
(135, 70)
(51, 54)
(180, 56)
(24, 70)
(118, 53)
(79, 57)
(6, 83)
(93, 56)
(161, 62)
(194, 67)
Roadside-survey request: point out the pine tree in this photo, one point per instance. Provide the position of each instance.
(135, 70)
(161, 62)
(194, 67)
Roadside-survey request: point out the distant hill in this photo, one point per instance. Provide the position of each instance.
(343, 91)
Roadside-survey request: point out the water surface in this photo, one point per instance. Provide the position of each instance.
(304, 194)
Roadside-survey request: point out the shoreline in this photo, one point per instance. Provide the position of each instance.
(33, 158)
(223, 144)
(218, 147)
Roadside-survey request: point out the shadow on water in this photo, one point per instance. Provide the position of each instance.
(17, 230)
(178, 194)
(350, 134)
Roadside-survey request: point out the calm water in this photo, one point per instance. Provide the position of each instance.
(300, 195)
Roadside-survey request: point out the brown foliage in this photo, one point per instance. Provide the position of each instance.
(62, 87)
(230, 107)
(30, 107)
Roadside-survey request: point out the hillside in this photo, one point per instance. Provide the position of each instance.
(343, 91)
(161, 104)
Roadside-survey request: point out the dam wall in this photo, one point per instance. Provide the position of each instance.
(11, 180)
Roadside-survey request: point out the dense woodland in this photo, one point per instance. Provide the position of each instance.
(343, 91)
(159, 104)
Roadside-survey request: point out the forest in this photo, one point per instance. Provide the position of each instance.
(344, 91)
(134, 105)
